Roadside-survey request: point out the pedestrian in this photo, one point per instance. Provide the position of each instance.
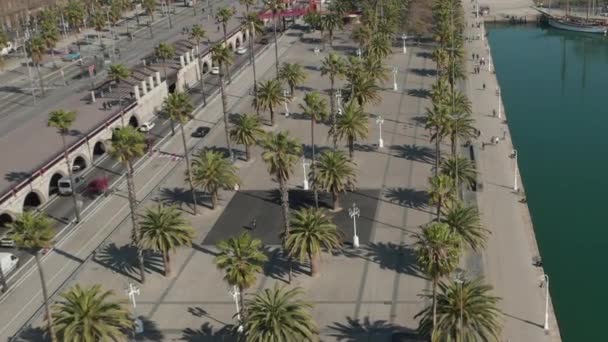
(253, 224)
(218, 28)
(484, 86)
(105, 106)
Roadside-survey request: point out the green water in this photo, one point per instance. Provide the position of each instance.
(555, 91)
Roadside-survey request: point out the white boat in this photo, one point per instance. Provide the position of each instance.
(578, 26)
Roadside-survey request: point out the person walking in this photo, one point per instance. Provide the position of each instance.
(484, 86)
(253, 224)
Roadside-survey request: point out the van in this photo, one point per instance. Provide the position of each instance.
(8, 262)
(64, 185)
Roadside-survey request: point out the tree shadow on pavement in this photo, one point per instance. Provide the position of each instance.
(30, 334)
(414, 152)
(123, 259)
(395, 257)
(206, 333)
(179, 196)
(407, 197)
(355, 330)
(421, 93)
(423, 72)
(151, 331)
(277, 266)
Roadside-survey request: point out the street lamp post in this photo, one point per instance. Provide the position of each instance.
(404, 37)
(545, 281)
(499, 103)
(354, 212)
(395, 71)
(359, 53)
(235, 295)
(489, 61)
(304, 165)
(339, 98)
(379, 122)
(133, 291)
(515, 186)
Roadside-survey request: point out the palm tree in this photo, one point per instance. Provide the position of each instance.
(461, 170)
(436, 120)
(241, 258)
(246, 131)
(222, 56)
(163, 229)
(197, 33)
(269, 96)
(465, 312)
(334, 66)
(50, 33)
(461, 126)
(89, 314)
(293, 75)
(255, 26)
(75, 13)
(336, 174)
(316, 108)
(178, 108)
(98, 21)
(33, 232)
(248, 4)
(165, 52)
(440, 92)
(362, 35)
(129, 144)
(62, 120)
(440, 56)
(363, 88)
(352, 126)
(330, 23)
(211, 172)
(278, 314)
(441, 190)
(437, 254)
(375, 68)
(379, 46)
(313, 19)
(312, 231)
(275, 6)
(36, 48)
(464, 222)
(223, 15)
(119, 72)
(149, 6)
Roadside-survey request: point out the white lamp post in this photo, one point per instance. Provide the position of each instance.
(489, 61)
(515, 186)
(304, 165)
(395, 71)
(354, 213)
(133, 291)
(339, 99)
(235, 295)
(285, 97)
(499, 103)
(545, 281)
(404, 37)
(359, 53)
(379, 122)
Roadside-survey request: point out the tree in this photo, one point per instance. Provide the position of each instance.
(460, 126)
(379, 47)
(466, 311)
(178, 108)
(129, 144)
(437, 121)
(281, 153)
(293, 75)
(352, 126)
(246, 131)
(149, 6)
(33, 232)
(98, 21)
(460, 170)
(275, 6)
(464, 222)
(334, 66)
(35, 48)
(313, 19)
(331, 22)
(222, 56)
(211, 172)
(197, 33)
(269, 96)
(437, 254)
(165, 52)
(375, 68)
(241, 258)
(255, 26)
(248, 4)
(223, 15)
(336, 174)
(441, 190)
(119, 72)
(362, 35)
(163, 229)
(75, 13)
(312, 231)
(278, 314)
(363, 88)
(89, 314)
(49, 32)
(316, 108)
(62, 120)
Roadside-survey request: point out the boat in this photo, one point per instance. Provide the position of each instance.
(577, 24)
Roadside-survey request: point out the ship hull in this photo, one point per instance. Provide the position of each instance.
(577, 28)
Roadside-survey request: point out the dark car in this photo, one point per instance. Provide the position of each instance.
(201, 132)
(264, 40)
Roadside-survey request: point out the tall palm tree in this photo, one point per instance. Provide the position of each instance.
(293, 75)
(35, 48)
(463, 220)
(118, 72)
(331, 22)
(62, 120)
(98, 21)
(223, 15)
(50, 33)
(89, 314)
(255, 26)
(440, 92)
(437, 121)
(316, 108)
(364, 88)
(166, 52)
(279, 314)
(466, 311)
(150, 7)
(461, 170)
(33, 232)
(336, 174)
(248, 4)
(441, 190)
(375, 68)
(312, 231)
(352, 125)
(129, 144)
(246, 130)
(460, 126)
(437, 254)
(211, 172)
(163, 229)
(275, 6)
(334, 66)
(269, 96)
(379, 46)
(197, 33)
(241, 258)
(281, 153)
(313, 19)
(177, 107)
(362, 35)
(222, 56)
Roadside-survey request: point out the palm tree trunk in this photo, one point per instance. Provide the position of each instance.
(439, 204)
(276, 45)
(314, 265)
(40, 79)
(271, 116)
(135, 229)
(213, 199)
(188, 169)
(3, 283)
(434, 303)
(45, 296)
(242, 303)
(336, 200)
(252, 58)
(200, 66)
(285, 211)
(314, 167)
(437, 154)
(53, 57)
(247, 152)
(454, 141)
(351, 147)
(171, 120)
(333, 110)
(225, 110)
(167, 264)
(71, 175)
(226, 45)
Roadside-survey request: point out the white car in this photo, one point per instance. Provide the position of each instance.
(241, 50)
(215, 70)
(146, 126)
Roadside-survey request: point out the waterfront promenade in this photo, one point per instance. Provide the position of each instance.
(507, 261)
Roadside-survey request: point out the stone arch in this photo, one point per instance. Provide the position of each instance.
(206, 67)
(231, 46)
(53, 183)
(245, 35)
(32, 200)
(237, 41)
(99, 149)
(6, 219)
(79, 163)
(133, 121)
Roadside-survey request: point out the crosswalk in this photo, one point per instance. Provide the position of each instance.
(166, 155)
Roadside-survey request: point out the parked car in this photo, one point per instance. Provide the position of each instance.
(7, 243)
(71, 57)
(241, 50)
(215, 70)
(146, 126)
(8, 263)
(201, 132)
